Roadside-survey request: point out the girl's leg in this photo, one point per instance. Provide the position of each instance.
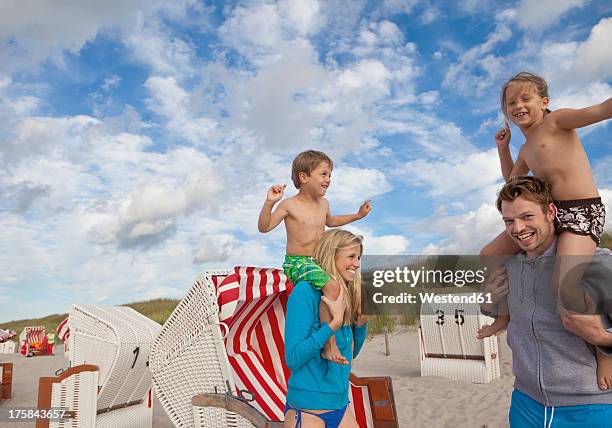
(493, 256)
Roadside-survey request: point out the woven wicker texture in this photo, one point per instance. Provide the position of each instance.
(449, 346)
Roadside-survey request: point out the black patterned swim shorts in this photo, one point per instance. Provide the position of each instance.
(581, 217)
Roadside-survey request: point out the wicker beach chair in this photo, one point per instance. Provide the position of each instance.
(8, 347)
(6, 381)
(115, 342)
(33, 341)
(218, 361)
(448, 344)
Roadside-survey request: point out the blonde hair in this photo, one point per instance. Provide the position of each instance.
(325, 254)
(306, 162)
(539, 84)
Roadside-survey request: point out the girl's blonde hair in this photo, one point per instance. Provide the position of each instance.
(539, 84)
(325, 255)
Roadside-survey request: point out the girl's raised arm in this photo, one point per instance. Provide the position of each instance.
(569, 118)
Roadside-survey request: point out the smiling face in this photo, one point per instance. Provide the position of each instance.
(319, 179)
(348, 261)
(524, 106)
(528, 225)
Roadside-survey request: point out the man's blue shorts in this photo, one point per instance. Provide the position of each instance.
(525, 412)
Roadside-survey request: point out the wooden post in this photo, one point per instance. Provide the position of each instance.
(387, 350)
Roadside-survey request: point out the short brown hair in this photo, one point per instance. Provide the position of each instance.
(306, 162)
(531, 188)
(538, 83)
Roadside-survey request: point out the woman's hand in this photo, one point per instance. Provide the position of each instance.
(336, 309)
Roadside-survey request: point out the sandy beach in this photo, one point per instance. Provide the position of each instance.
(422, 402)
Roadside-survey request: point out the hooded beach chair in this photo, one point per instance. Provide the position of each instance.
(7, 346)
(110, 381)
(33, 341)
(448, 344)
(219, 360)
(63, 334)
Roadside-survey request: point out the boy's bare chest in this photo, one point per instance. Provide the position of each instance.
(309, 216)
(543, 150)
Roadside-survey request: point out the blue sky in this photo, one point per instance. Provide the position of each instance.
(139, 137)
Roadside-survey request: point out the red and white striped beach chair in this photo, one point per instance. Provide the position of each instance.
(63, 334)
(225, 339)
(33, 341)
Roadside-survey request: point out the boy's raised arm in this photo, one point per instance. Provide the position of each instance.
(268, 220)
(569, 118)
(341, 220)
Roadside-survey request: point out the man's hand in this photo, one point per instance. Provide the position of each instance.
(275, 193)
(496, 285)
(587, 327)
(502, 138)
(365, 209)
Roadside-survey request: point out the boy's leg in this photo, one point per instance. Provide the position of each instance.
(574, 253)
(331, 290)
(493, 256)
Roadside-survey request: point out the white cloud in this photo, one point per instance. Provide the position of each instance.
(302, 16)
(351, 186)
(606, 198)
(431, 14)
(465, 233)
(477, 68)
(474, 176)
(539, 15)
(580, 63)
(172, 102)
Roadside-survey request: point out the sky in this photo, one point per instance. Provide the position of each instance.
(138, 138)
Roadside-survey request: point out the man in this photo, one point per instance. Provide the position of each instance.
(553, 356)
(50, 342)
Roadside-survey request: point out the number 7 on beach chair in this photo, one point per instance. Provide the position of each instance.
(219, 360)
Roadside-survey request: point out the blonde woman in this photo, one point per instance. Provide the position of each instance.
(317, 394)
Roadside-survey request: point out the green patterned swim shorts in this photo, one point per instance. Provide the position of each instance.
(305, 268)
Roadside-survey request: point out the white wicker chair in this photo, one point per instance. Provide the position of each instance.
(117, 341)
(194, 379)
(8, 347)
(448, 344)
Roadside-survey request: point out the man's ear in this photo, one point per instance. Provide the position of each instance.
(551, 214)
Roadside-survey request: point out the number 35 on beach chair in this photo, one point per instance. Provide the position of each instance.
(448, 344)
(218, 361)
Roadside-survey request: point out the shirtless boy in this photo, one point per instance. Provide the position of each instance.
(306, 215)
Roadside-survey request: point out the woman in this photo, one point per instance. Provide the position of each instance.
(317, 394)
